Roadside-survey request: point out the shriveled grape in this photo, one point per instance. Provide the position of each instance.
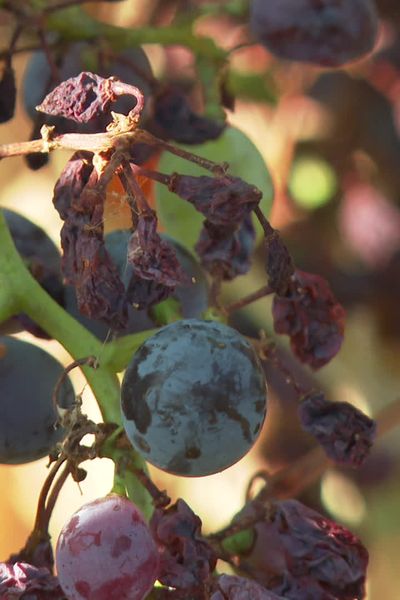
(324, 32)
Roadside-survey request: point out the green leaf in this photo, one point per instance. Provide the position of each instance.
(178, 217)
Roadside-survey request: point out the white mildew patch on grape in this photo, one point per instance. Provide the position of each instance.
(194, 398)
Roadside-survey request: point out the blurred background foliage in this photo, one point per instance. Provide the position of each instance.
(329, 141)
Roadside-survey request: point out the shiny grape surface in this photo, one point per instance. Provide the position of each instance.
(194, 398)
(106, 552)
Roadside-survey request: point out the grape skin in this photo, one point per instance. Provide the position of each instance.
(27, 416)
(194, 398)
(106, 552)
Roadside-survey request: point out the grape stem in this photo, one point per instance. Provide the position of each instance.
(260, 293)
(41, 524)
(20, 292)
(90, 361)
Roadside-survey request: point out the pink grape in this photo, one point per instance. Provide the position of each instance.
(106, 552)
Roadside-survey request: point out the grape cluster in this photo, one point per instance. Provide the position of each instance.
(193, 397)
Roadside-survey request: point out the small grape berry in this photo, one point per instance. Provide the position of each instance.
(106, 552)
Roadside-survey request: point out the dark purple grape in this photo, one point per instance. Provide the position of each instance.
(106, 552)
(32, 242)
(226, 252)
(28, 419)
(8, 93)
(324, 32)
(43, 260)
(194, 398)
(173, 118)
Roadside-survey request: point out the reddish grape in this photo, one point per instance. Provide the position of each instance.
(106, 552)
(301, 555)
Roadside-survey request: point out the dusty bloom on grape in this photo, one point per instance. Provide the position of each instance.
(345, 433)
(186, 559)
(312, 317)
(301, 555)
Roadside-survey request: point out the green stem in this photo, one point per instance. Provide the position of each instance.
(73, 24)
(26, 295)
(20, 292)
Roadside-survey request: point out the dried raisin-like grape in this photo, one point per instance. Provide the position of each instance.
(80, 98)
(312, 317)
(345, 433)
(224, 200)
(186, 559)
(226, 252)
(301, 555)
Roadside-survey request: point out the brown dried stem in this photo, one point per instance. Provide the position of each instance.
(261, 293)
(90, 361)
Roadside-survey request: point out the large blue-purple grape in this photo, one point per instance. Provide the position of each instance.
(194, 397)
(28, 419)
(106, 552)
